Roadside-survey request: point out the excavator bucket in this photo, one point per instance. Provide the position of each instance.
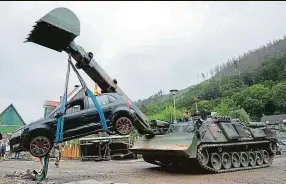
(56, 30)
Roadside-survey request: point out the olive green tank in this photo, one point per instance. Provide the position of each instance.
(213, 145)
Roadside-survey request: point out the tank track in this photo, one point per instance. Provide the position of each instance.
(196, 164)
(209, 169)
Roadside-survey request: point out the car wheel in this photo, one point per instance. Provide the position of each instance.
(40, 146)
(123, 126)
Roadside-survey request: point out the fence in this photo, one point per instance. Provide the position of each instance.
(70, 152)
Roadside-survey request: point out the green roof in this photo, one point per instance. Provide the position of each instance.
(10, 120)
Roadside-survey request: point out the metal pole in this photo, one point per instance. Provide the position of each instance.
(174, 108)
(174, 91)
(196, 107)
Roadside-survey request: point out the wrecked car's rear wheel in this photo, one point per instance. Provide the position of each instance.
(123, 126)
(40, 146)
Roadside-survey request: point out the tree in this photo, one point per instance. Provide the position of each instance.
(241, 115)
(206, 105)
(203, 76)
(143, 109)
(254, 107)
(210, 90)
(212, 72)
(167, 114)
(225, 106)
(248, 78)
(279, 96)
(222, 109)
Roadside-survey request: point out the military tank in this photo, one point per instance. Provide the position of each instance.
(210, 145)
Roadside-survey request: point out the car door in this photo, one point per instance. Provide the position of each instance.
(106, 108)
(90, 125)
(75, 119)
(107, 105)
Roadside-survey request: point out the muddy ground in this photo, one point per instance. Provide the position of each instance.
(137, 171)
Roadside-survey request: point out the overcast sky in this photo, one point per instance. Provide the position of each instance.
(146, 46)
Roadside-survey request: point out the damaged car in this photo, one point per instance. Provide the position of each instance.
(80, 119)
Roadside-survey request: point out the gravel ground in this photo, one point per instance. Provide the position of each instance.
(137, 171)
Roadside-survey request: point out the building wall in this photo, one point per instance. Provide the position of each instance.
(10, 120)
(48, 110)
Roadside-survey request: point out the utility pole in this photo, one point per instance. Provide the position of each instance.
(174, 92)
(196, 103)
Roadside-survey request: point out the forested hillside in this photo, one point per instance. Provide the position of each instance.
(245, 87)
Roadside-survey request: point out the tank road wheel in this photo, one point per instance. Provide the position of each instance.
(204, 157)
(226, 160)
(40, 146)
(251, 158)
(123, 126)
(266, 157)
(235, 159)
(244, 159)
(216, 162)
(259, 158)
(273, 148)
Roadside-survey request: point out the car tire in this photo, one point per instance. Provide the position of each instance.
(123, 125)
(40, 146)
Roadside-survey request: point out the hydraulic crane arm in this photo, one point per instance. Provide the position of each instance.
(86, 62)
(57, 30)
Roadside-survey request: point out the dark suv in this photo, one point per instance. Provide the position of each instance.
(81, 119)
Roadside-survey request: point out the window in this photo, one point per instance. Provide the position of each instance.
(102, 99)
(73, 109)
(75, 106)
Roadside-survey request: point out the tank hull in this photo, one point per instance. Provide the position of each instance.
(258, 155)
(213, 148)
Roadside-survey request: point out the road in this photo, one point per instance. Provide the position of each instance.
(138, 172)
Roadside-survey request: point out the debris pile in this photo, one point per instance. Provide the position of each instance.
(28, 177)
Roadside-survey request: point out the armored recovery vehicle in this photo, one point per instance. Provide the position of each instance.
(212, 145)
(215, 145)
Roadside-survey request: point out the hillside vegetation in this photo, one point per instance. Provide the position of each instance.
(245, 87)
